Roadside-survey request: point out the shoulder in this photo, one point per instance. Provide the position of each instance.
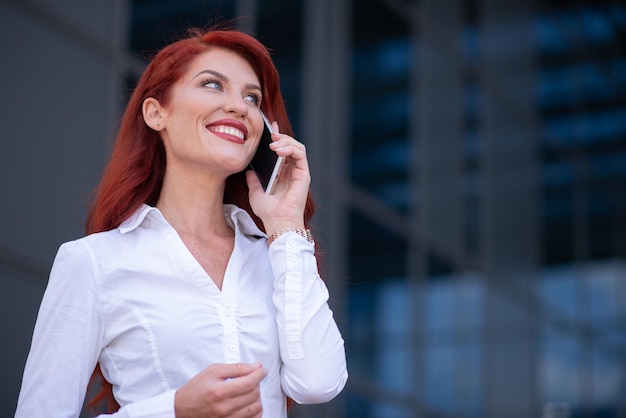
(82, 253)
(90, 242)
(106, 241)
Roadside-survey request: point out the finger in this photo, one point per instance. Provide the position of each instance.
(247, 382)
(245, 389)
(247, 404)
(251, 410)
(295, 154)
(254, 184)
(231, 371)
(289, 148)
(284, 140)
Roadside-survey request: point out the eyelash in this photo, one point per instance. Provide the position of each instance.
(256, 97)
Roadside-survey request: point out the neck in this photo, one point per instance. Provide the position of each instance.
(194, 206)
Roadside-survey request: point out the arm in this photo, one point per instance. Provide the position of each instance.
(66, 344)
(66, 339)
(311, 346)
(312, 349)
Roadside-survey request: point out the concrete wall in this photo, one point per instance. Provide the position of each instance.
(59, 81)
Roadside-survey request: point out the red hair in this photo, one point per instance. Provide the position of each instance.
(135, 171)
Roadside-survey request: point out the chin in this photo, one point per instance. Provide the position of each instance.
(235, 166)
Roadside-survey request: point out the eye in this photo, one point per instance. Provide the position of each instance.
(253, 98)
(212, 84)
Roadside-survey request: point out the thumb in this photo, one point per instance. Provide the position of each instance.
(254, 184)
(229, 371)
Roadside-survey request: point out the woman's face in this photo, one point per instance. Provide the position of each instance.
(212, 119)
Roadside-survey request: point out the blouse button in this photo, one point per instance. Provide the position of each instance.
(232, 348)
(293, 258)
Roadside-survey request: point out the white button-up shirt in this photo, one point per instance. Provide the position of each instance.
(137, 301)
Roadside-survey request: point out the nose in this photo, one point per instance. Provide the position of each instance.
(235, 104)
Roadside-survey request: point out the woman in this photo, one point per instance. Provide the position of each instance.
(194, 293)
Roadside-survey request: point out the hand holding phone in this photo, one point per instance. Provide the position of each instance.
(266, 163)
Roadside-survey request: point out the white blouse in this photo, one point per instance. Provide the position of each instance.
(137, 301)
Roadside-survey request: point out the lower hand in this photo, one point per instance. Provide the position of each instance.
(222, 390)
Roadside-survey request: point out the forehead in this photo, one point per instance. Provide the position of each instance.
(224, 61)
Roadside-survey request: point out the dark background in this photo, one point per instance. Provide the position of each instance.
(468, 161)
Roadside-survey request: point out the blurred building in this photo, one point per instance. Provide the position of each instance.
(468, 160)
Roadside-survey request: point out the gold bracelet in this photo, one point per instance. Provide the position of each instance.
(304, 233)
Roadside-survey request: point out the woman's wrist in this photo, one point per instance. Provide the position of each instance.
(303, 232)
(275, 225)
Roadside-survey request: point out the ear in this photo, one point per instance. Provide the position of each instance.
(153, 113)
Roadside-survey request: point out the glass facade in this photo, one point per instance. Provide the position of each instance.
(481, 193)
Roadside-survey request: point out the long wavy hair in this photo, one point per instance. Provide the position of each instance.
(135, 171)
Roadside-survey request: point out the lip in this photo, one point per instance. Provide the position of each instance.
(230, 123)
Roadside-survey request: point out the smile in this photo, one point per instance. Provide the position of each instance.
(228, 130)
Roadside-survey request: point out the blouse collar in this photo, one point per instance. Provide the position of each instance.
(237, 218)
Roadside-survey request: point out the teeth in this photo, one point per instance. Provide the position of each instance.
(229, 130)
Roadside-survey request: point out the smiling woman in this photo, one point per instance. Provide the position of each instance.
(206, 113)
(176, 298)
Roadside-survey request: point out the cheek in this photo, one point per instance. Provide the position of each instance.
(254, 145)
(182, 126)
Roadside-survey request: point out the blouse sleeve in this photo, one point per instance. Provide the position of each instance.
(66, 344)
(311, 346)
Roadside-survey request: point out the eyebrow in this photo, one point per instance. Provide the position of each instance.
(225, 79)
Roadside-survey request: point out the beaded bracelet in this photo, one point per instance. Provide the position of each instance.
(305, 233)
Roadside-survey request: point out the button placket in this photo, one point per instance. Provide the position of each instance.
(231, 337)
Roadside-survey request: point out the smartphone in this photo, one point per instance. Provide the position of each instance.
(266, 163)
